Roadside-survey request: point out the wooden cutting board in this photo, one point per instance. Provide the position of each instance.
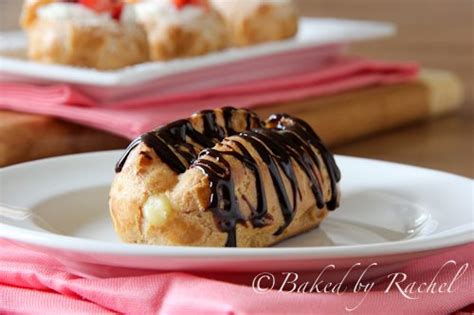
(337, 118)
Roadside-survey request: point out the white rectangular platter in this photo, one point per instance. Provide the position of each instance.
(314, 33)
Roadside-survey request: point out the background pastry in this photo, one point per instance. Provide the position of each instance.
(87, 33)
(221, 178)
(256, 21)
(181, 28)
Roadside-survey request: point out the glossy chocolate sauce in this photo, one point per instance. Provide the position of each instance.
(178, 144)
(283, 140)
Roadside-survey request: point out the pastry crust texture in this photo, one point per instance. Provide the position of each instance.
(104, 46)
(180, 33)
(251, 22)
(242, 191)
(154, 31)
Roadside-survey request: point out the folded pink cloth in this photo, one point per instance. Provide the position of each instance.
(136, 114)
(35, 283)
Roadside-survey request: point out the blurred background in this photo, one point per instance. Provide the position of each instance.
(437, 34)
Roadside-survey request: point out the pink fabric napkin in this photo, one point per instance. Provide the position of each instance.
(35, 283)
(132, 116)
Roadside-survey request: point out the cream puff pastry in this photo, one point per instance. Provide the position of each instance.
(181, 28)
(100, 34)
(223, 178)
(256, 21)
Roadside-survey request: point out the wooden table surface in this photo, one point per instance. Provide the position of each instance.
(438, 34)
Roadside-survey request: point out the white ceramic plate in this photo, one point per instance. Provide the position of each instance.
(389, 213)
(313, 33)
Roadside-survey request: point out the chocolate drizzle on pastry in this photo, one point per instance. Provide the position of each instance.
(285, 140)
(178, 144)
(282, 143)
(300, 132)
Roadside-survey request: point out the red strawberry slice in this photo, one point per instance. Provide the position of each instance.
(98, 5)
(117, 11)
(114, 7)
(182, 3)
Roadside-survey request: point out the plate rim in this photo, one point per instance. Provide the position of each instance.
(458, 235)
(89, 246)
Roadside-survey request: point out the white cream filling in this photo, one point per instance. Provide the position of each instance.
(156, 211)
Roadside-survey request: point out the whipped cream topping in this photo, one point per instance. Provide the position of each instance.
(77, 13)
(229, 8)
(64, 11)
(166, 12)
